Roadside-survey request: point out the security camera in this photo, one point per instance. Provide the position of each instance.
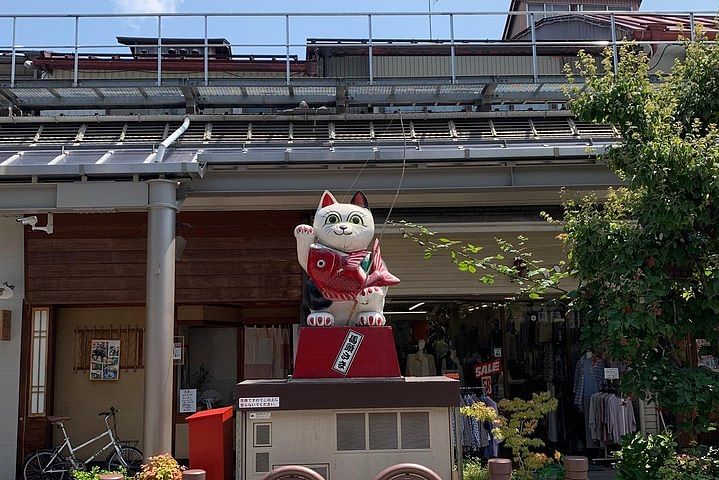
(7, 291)
(27, 220)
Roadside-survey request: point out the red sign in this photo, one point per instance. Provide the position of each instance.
(487, 368)
(487, 385)
(452, 375)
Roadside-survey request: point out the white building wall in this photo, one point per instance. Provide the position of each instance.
(11, 271)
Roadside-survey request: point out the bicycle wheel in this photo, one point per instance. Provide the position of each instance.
(129, 458)
(44, 465)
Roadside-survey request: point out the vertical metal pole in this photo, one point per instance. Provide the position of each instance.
(207, 53)
(12, 55)
(692, 26)
(615, 54)
(159, 50)
(453, 59)
(76, 65)
(369, 50)
(287, 47)
(429, 17)
(535, 72)
(160, 318)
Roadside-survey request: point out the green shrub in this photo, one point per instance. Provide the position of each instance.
(93, 474)
(642, 456)
(695, 465)
(655, 457)
(473, 470)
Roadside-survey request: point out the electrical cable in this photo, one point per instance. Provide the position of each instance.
(401, 177)
(364, 165)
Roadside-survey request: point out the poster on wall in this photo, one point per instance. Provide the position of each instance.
(188, 400)
(105, 360)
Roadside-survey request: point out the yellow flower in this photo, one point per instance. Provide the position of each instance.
(557, 455)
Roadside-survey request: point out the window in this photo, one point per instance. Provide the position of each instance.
(384, 430)
(415, 430)
(38, 360)
(600, 8)
(263, 435)
(262, 462)
(545, 7)
(351, 432)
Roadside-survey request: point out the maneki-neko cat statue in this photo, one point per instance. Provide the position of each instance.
(347, 282)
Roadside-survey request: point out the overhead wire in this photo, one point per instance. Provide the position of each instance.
(364, 165)
(401, 177)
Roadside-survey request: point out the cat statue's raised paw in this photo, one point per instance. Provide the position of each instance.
(347, 282)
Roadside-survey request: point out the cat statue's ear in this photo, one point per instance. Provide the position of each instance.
(360, 200)
(327, 200)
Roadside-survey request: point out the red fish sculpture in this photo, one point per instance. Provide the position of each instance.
(340, 276)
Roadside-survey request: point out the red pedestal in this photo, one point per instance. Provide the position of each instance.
(212, 443)
(346, 352)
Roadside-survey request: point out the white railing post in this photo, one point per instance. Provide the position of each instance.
(76, 64)
(207, 53)
(369, 50)
(615, 53)
(287, 49)
(535, 73)
(159, 50)
(12, 55)
(453, 58)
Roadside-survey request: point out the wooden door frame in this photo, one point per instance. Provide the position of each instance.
(26, 372)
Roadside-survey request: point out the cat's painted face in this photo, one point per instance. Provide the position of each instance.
(347, 227)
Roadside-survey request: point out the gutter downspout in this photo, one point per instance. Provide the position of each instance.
(169, 140)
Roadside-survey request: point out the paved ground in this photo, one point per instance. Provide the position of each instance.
(600, 473)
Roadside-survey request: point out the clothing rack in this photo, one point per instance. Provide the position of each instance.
(612, 386)
(480, 390)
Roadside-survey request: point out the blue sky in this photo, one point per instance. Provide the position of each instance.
(42, 33)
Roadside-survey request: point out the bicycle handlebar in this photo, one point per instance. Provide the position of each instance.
(112, 412)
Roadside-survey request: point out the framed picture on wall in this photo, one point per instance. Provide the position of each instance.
(105, 360)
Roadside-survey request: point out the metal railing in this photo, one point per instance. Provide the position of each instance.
(286, 45)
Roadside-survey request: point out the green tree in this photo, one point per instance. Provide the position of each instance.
(646, 257)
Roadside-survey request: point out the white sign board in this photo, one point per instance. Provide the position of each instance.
(188, 400)
(709, 361)
(497, 352)
(260, 415)
(611, 374)
(259, 402)
(347, 352)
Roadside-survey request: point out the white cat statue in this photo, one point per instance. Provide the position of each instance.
(347, 282)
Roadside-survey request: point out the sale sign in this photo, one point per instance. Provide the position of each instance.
(487, 368)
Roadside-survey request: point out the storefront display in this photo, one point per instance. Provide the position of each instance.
(497, 350)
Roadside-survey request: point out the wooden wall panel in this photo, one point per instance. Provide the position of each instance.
(230, 257)
(238, 257)
(89, 259)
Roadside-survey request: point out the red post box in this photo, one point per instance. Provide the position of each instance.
(211, 442)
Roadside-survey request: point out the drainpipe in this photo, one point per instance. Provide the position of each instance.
(169, 140)
(160, 316)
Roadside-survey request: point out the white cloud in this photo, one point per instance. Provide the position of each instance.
(146, 6)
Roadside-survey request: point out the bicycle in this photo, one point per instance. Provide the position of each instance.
(51, 464)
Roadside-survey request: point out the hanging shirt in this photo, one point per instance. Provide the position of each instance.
(587, 373)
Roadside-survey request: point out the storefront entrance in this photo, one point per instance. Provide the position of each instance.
(499, 348)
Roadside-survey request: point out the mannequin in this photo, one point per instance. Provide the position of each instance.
(450, 363)
(420, 364)
(588, 377)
